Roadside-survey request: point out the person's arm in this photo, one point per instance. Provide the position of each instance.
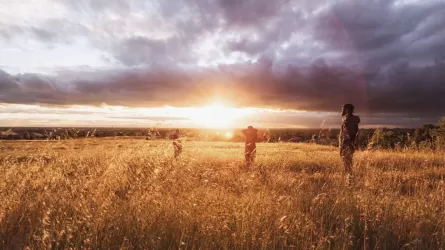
(356, 139)
(357, 134)
(341, 135)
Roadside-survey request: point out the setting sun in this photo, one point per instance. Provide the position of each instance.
(228, 134)
(214, 116)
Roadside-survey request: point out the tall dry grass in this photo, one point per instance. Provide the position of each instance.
(130, 194)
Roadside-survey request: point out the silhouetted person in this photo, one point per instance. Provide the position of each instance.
(251, 135)
(348, 137)
(177, 145)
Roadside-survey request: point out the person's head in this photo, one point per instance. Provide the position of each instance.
(347, 109)
(249, 127)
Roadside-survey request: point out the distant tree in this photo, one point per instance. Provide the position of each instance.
(383, 139)
(428, 132)
(439, 133)
(415, 139)
(376, 139)
(324, 135)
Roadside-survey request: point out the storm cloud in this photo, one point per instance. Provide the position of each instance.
(385, 56)
(319, 87)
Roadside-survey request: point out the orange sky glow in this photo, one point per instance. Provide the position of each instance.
(214, 115)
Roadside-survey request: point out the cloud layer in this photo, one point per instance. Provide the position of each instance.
(385, 56)
(319, 87)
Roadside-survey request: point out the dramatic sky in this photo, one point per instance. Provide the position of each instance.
(280, 63)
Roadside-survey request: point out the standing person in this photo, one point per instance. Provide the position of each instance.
(348, 137)
(251, 135)
(177, 144)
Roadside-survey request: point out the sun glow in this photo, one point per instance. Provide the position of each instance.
(228, 134)
(214, 116)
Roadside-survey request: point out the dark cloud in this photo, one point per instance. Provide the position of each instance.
(377, 31)
(7, 82)
(332, 120)
(144, 51)
(249, 12)
(321, 87)
(141, 50)
(381, 32)
(267, 39)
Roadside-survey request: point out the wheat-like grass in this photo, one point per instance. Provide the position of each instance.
(127, 194)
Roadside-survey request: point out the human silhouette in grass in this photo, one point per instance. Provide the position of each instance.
(177, 144)
(348, 137)
(251, 135)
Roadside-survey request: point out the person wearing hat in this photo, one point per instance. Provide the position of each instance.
(251, 135)
(348, 136)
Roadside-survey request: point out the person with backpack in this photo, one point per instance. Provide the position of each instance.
(348, 137)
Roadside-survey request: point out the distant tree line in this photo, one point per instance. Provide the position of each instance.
(428, 136)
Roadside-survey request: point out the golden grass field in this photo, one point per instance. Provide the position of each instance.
(126, 194)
